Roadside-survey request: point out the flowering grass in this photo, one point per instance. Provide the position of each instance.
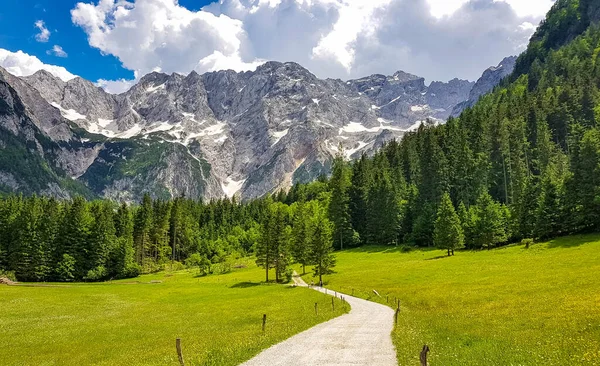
(509, 306)
(136, 322)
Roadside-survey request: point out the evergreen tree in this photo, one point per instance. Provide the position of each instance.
(321, 244)
(300, 234)
(339, 205)
(488, 222)
(448, 234)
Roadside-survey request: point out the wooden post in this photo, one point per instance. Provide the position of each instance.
(316, 309)
(332, 304)
(424, 355)
(264, 322)
(396, 316)
(387, 298)
(179, 352)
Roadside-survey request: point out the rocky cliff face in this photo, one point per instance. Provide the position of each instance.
(488, 81)
(225, 133)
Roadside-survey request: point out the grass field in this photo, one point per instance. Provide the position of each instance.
(218, 318)
(509, 306)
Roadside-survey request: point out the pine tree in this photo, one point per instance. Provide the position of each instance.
(468, 225)
(383, 215)
(102, 240)
(488, 222)
(359, 195)
(141, 229)
(300, 235)
(73, 239)
(448, 234)
(321, 244)
(339, 205)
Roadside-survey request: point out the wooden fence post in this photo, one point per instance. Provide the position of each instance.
(316, 309)
(424, 355)
(179, 352)
(396, 316)
(264, 322)
(332, 304)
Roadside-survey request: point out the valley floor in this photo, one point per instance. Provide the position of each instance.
(136, 321)
(509, 306)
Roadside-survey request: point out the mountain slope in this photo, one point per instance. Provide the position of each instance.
(226, 133)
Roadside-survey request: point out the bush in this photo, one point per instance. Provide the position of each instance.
(97, 274)
(288, 275)
(66, 268)
(406, 249)
(8, 274)
(527, 242)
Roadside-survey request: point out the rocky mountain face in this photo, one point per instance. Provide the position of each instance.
(488, 81)
(222, 133)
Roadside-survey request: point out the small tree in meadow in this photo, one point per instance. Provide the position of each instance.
(448, 233)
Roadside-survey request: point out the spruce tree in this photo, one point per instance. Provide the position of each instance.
(488, 222)
(448, 234)
(339, 205)
(321, 243)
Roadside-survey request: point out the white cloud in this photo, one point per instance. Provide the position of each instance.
(44, 34)
(57, 51)
(21, 64)
(115, 86)
(151, 34)
(437, 39)
(523, 8)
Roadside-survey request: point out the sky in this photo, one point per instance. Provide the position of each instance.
(115, 42)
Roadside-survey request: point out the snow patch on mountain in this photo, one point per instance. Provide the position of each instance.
(231, 187)
(70, 114)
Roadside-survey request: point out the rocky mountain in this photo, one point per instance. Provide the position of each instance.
(222, 133)
(486, 83)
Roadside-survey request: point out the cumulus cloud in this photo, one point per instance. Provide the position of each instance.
(22, 64)
(57, 51)
(44, 34)
(437, 39)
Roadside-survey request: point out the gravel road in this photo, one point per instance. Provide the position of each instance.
(361, 337)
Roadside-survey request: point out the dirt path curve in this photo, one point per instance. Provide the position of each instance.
(361, 337)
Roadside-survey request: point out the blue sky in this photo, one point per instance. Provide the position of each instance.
(115, 42)
(17, 32)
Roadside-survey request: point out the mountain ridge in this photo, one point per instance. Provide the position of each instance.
(245, 134)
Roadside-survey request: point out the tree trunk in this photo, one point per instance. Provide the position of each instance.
(448, 252)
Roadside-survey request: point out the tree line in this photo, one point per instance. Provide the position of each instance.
(44, 239)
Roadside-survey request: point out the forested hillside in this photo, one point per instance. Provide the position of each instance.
(523, 163)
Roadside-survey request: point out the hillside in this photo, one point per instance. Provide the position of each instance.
(523, 162)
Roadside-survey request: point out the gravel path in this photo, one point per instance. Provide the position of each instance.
(361, 337)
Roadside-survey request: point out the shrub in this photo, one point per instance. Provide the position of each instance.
(66, 268)
(97, 274)
(527, 243)
(8, 274)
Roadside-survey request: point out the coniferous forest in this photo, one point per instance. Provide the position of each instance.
(522, 164)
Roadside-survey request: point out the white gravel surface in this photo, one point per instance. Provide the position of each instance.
(361, 337)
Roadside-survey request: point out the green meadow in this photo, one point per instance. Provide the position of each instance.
(509, 306)
(135, 322)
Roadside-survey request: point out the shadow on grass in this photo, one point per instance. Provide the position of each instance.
(387, 249)
(245, 285)
(573, 241)
(438, 257)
